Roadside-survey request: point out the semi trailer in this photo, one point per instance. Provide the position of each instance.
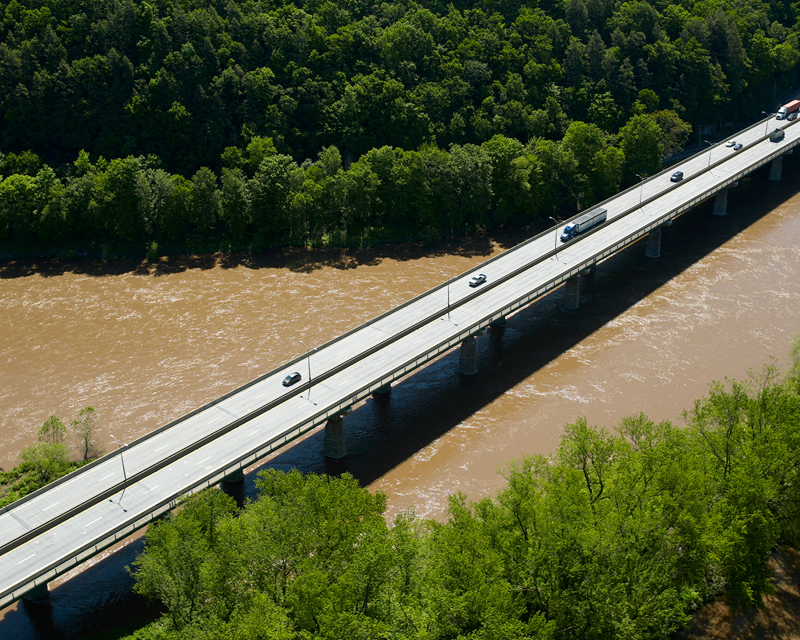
(583, 223)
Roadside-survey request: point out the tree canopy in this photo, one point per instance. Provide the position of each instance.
(259, 123)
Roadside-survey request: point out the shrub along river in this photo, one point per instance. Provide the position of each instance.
(145, 343)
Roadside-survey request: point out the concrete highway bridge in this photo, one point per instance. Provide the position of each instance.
(49, 532)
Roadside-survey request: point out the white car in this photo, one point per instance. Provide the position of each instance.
(730, 143)
(474, 281)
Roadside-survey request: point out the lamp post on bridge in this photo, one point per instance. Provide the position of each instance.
(308, 361)
(709, 152)
(555, 245)
(766, 124)
(448, 293)
(121, 457)
(641, 188)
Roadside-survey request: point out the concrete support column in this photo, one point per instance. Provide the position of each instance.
(498, 327)
(236, 476)
(653, 249)
(382, 391)
(335, 445)
(38, 594)
(775, 169)
(721, 203)
(572, 295)
(468, 357)
(589, 270)
(666, 223)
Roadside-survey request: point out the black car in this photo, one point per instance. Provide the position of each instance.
(474, 281)
(289, 380)
(737, 146)
(677, 176)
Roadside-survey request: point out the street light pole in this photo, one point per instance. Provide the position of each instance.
(308, 360)
(121, 457)
(555, 245)
(709, 153)
(641, 188)
(448, 293)
(766, 124)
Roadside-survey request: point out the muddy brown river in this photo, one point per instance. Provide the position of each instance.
(144, 344)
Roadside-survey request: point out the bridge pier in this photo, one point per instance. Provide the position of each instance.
(721, 203)
(334, 446)
(666, 223)
(572, 294)
(589, 270)
(653, 249)
(236, 476)
(382, 391)
(233, 486)
(468, 357)
(498, 327)
(775, 169)
(38, 593)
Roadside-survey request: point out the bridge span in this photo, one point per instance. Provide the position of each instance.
(49, 532)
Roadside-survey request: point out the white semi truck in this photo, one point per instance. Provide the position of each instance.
(583, 224)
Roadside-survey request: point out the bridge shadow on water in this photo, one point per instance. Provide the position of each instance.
(385, 431)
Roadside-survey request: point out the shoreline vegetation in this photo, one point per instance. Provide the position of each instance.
(138, 129)
(47, 459)
(621, 533)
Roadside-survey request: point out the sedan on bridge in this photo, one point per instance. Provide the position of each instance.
(289, 380)
(730, 143)
(474, 281)
(737, 146)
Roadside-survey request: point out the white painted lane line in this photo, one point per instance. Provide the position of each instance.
(162, 447)
(52, 505)
(251, 433)
(262, 395)
(153, 489)
(215, 420)
(202, 461)
(26, 559)
(93, 521)
(104, 477)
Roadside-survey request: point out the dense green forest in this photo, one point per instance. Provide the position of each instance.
(247, 124)
(616, 535)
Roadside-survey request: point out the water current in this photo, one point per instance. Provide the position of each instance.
(146, 343)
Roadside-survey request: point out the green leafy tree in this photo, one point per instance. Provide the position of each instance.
(49, 460)
(175, 565)
(53, 431)
(642, 143)
(83, 428)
